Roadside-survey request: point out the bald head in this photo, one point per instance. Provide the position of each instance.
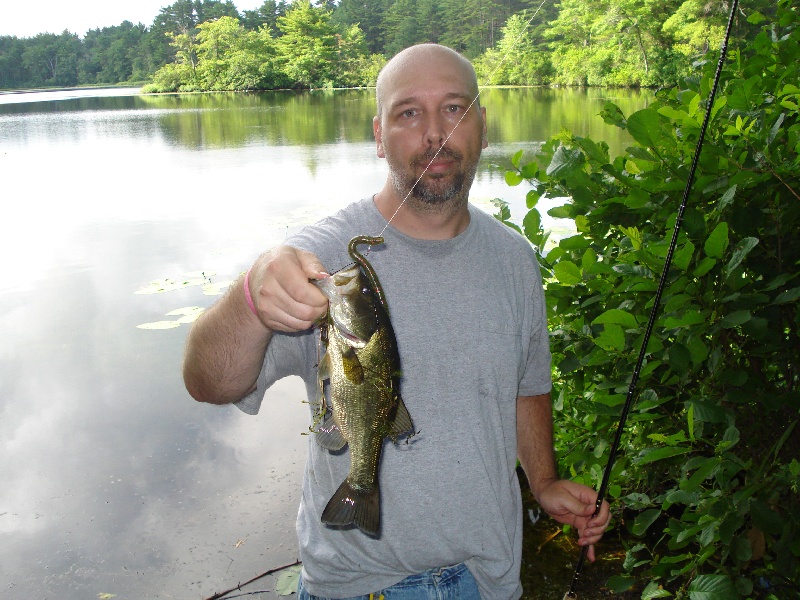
(430, 57)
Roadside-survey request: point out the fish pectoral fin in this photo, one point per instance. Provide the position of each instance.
(354, 506)
(402, 424)
(324, 367)
(352, 366)
(329, 436)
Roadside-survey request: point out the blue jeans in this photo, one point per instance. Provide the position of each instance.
(444, 583)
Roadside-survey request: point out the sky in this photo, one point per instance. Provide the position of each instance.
(54, 16)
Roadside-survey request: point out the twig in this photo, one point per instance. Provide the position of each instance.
(219, 595)
(548, 540)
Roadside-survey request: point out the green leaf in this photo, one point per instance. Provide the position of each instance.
(515, 160)
(644, 520)
(727, 198)
(651, 455)
(612, 338)
(691, 317)
(704, 266)
(683, 256)
(568, 272)
(286, 583)
(788, 296)
(703, 472)
(561, 212)
(741, 250)
(513, 178)
(712, 587)
(620, 583)
(532, 223)
(645, 127)
(717, 242)
(565, 162)
(653, 590)
(618, 317)
(735, 318)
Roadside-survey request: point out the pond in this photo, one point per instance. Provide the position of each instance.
(114, 480)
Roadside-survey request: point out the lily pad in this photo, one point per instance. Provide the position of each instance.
(216, 289)
(159, 325)
(168, 284)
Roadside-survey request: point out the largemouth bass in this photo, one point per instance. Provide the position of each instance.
(362, 365)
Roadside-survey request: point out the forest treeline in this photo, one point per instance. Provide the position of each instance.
(211, 45)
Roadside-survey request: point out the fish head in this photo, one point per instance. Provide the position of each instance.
(351, 307)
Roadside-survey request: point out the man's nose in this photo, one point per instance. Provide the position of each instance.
(435, 130)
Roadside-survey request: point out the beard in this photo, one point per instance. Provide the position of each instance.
(434, 189)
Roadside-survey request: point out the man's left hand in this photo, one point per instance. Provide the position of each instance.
(574, 504)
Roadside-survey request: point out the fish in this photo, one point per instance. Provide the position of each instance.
(362, 366)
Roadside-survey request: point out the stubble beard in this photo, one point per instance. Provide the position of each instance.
(434, 192)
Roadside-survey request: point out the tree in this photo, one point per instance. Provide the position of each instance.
(267, 14)
(12, 72)
(52, 60)
(368, 15)
(207, 10)
(307, 49)
(109, 53)
(233, 58)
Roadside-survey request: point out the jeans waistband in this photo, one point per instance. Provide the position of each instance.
(435, 575)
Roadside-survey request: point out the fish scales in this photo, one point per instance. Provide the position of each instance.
(362, 365)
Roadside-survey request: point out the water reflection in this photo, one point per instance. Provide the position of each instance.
(114, 480)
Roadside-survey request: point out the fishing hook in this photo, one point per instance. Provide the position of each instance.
(657, 300)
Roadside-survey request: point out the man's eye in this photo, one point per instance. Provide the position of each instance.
(453, 108)
(409, 113)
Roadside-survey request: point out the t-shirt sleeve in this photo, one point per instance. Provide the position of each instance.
(287, 354)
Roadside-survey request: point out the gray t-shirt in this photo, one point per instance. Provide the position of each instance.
(470, 322)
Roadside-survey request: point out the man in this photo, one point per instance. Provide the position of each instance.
(466, 303)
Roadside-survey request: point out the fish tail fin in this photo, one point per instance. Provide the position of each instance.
(352, 506)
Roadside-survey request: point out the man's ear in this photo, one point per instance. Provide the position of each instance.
(378, 133)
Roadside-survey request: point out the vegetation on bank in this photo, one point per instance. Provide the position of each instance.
(210, 45)
(706, 492)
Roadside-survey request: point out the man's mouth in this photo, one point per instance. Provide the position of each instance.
(437, 163)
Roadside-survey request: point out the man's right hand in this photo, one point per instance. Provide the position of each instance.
(283, 296)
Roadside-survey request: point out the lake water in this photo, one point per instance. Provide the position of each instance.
(113, 480)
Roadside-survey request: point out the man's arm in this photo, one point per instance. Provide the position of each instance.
(564, 500)
(226, 345)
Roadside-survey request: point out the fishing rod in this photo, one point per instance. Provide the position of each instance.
(657, 300)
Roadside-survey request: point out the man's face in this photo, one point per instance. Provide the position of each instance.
(421, 105)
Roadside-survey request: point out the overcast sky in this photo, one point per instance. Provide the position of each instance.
(26, 19)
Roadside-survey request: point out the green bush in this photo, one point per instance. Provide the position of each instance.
(706, 487)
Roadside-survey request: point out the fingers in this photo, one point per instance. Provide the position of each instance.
(282, 294)
(574, 504)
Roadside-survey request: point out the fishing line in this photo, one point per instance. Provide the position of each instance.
(657, 300)
(466, 112)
